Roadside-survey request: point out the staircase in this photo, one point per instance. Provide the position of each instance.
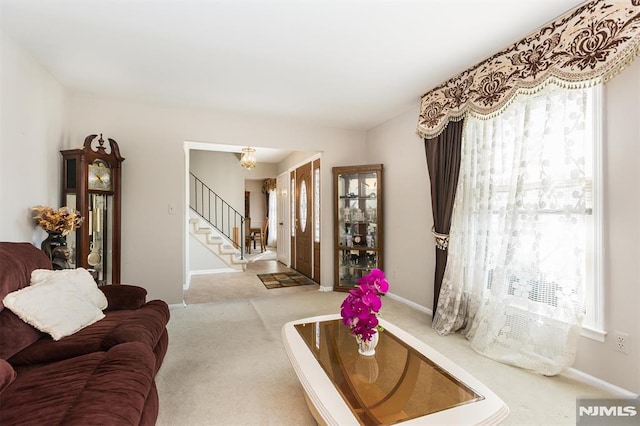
(217, 244)
(216, 224)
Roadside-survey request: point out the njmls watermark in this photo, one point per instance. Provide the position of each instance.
(609, 412)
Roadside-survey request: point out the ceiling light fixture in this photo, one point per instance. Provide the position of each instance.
(248, 159)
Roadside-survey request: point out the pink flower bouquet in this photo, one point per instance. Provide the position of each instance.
(361, 308)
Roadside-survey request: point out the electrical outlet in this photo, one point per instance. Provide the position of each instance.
(621, 342)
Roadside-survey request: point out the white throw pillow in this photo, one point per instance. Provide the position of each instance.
(53, 308)
(76, 280)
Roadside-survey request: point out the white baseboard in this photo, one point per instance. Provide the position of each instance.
(213, 271)
(583, 377)
(178, 305)
(571, 373)
(410, 303)
(326, 288)
(206, 272)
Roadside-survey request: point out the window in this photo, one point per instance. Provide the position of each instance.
(273, 218)
(293, 206)
(556, 200)
(557, 195)
(524, 254)
(303, 206)
(593, 324)
(316, 203)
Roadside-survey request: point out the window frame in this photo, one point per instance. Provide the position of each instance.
(593, 326)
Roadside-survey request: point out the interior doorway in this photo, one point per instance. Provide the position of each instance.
(219, 164)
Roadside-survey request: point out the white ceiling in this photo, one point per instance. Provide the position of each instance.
(343, 63)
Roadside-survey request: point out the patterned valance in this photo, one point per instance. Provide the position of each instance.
(587, 45)
(268, 185)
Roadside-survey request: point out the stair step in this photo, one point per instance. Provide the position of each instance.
(228, 249)
(215, 239)
(217, 244)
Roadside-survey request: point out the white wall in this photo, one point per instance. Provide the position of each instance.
(409, 249)
(221, 172)
(151, 138)
(33, 126)
(621, 236)
(296, 159)
(261, 171)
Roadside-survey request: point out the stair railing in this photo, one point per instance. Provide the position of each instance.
(217, 212)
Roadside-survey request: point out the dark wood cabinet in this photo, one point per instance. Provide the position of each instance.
(91, 184)
(358, 223)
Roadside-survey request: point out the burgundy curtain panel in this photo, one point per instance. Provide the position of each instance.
(443, 162)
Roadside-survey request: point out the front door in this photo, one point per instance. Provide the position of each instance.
(303, 218)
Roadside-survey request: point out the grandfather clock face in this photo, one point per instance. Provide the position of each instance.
(99, 176)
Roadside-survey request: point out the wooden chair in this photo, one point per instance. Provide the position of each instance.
(254, 235)
(259, 235)
(247, 235)
(263, 234)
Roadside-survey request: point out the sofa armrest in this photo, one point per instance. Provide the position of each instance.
(7, 374)
(122, 296)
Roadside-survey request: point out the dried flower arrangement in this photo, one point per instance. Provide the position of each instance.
(62, 220)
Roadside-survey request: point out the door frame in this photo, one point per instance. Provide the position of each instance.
(287, 176)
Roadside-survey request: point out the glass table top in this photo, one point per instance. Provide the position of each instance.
(396, 384)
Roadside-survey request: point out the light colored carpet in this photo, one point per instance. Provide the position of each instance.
(226, 364)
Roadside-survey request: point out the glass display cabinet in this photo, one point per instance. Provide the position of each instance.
(359, 235)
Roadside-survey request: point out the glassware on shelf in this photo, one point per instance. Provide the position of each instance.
(371, 260)
(371, 214)
(356, 215)
(349, 239)
(347, 214)
(369, 239)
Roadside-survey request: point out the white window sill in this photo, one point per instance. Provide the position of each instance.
(593, 334)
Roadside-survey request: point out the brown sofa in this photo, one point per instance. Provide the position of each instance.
(102, 374)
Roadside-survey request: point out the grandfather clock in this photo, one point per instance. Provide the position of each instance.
(91, 183)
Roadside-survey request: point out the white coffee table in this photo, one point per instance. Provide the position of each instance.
(405, 381)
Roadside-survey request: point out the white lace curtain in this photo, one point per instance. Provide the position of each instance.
(273, 219)
(514, 282)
